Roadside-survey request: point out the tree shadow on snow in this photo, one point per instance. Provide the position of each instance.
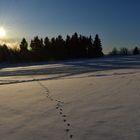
(69, 68)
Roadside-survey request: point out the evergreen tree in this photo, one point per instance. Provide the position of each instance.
(90, 49)
(37, 49)
(68, 46)
(36, 44)
(61, 48)
(24, 52)
(46, 42)
(23, 45)
(136, 51)
(4, 53)
(97, 47)
(74, 49)
(84, 44)
(47, 48)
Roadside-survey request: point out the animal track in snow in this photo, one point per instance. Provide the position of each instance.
(59, 106)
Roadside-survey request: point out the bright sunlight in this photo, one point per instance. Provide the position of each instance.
(2, 32)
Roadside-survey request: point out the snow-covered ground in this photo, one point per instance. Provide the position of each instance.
(95, 99)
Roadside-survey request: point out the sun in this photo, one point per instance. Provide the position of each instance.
(2, 32)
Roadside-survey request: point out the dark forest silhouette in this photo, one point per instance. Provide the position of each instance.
(57, 48)
(73, 47)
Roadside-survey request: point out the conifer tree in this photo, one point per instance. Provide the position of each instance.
(23, 45)
(136, 51)
(97, 45)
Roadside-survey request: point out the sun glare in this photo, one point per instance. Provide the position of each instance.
(2, 32)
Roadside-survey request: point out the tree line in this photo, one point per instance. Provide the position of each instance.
(125, 51)
(56, 48)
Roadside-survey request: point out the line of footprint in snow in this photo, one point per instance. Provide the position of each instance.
(64, 117)
(59, 108)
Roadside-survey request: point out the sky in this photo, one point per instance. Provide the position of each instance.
(116, 21)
